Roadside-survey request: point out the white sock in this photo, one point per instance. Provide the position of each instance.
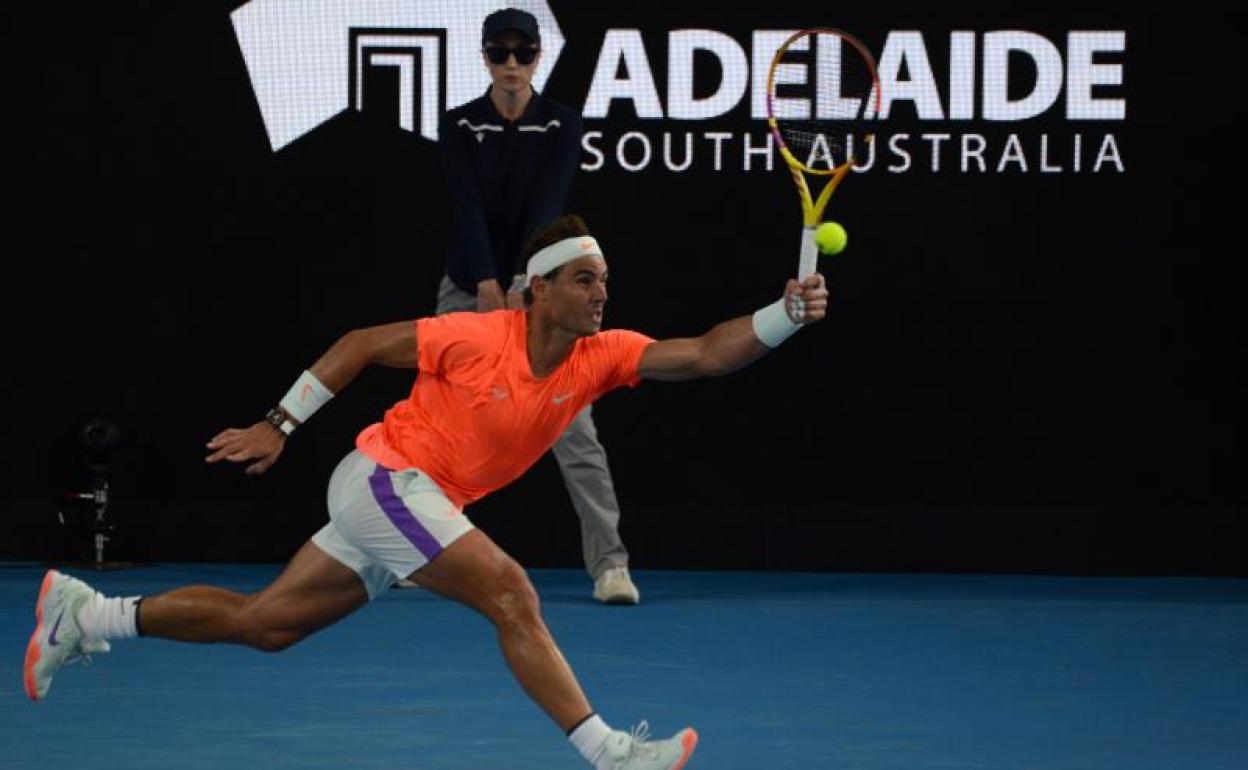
(590, 738)
(101, 617)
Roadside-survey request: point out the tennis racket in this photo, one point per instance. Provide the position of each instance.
(826, 119)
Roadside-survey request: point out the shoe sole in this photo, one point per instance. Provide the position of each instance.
(33, 649)
(689, 741)
(618, 600)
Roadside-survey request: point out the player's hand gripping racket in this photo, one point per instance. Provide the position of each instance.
(829, 125)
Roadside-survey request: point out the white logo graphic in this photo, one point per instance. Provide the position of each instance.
(307, 59)
(559, 399)
(498, 393)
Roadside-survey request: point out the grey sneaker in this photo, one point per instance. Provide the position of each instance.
(57, 640)
(615, 587)
(634, 751)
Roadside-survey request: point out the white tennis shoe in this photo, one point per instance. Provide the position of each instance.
(634, 751)
(57, 639)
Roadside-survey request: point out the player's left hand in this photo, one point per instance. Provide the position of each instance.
(515, 292)
(261, 442)
(490, 296)
(806, 302)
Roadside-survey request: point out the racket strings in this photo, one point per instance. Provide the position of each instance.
(831, 117)
(822, 149)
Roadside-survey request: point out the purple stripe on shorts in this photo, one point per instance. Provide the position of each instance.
(400, 516)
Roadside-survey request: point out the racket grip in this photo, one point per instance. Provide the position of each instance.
(808, 254)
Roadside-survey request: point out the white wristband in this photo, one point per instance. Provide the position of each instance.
(306, 396)
(772, 324)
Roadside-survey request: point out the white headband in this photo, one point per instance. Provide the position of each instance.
(561, 253)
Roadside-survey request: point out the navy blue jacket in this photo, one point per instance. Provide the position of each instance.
(506, 180)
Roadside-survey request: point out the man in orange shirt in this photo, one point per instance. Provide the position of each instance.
(493, 392)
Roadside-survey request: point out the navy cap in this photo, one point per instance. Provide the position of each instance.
(510, 18)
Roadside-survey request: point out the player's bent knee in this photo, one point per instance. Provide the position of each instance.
(255, 629)
(515, 599)
(274, 641)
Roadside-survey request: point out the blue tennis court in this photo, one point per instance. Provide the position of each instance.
(775, 670)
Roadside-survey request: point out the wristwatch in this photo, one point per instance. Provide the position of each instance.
(278, 419)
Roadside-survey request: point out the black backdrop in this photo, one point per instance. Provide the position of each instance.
(1023, 371)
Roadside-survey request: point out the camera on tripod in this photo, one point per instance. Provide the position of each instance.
(83, 505)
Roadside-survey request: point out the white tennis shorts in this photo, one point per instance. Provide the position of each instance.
(386, 524)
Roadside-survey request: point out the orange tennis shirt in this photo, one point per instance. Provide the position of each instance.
(477, 418)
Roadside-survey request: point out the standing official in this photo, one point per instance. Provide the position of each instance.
(509, 157)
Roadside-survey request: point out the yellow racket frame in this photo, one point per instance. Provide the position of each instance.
(812, 207)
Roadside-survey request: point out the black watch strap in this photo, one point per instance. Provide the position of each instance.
(278, 418)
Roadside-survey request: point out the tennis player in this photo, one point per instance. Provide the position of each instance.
(493, 391)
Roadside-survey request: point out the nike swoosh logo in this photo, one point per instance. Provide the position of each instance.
(52, 636)
(561, 398)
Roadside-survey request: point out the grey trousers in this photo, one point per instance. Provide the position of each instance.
(583, 463)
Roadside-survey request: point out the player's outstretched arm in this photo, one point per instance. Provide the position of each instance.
(392, 345)
(737, 343)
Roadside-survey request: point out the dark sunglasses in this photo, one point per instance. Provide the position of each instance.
(498, 54)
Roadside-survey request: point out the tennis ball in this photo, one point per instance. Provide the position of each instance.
(831, 238)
